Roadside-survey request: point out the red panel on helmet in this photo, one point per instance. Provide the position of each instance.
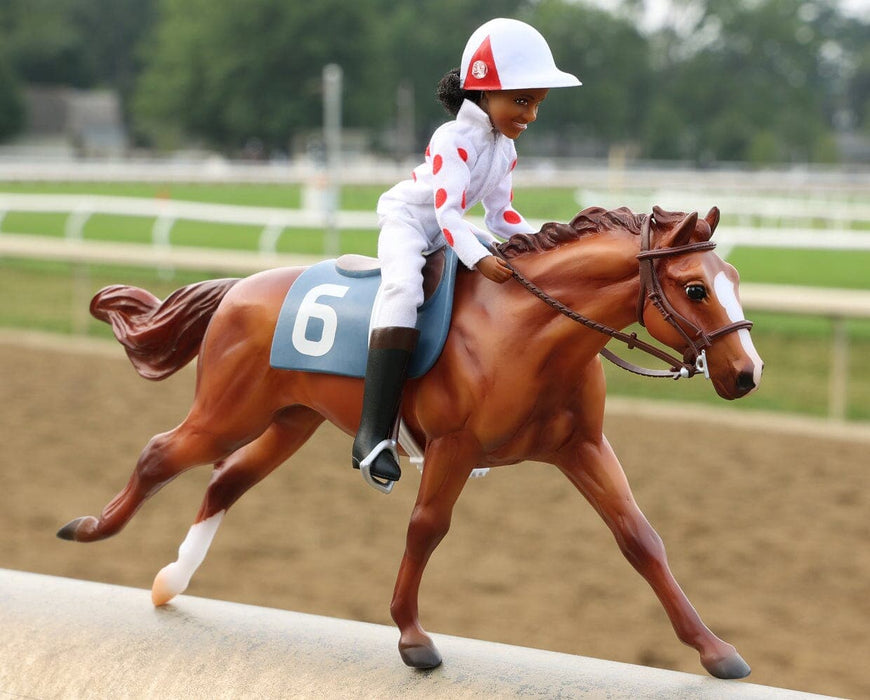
(482, 73)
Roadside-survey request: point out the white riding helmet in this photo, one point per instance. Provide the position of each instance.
(506, 54)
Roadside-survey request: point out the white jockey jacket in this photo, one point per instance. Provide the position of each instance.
(467, 161)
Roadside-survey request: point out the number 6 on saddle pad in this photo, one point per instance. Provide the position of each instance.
(323, 325)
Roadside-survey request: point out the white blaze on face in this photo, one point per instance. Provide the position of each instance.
(724, 289)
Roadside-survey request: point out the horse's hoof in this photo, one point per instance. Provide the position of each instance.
(77, 530)
(729, 668)
(420, 656)
(168, 583)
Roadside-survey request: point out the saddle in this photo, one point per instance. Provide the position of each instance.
(324, 322)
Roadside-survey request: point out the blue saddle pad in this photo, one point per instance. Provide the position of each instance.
(323, 325)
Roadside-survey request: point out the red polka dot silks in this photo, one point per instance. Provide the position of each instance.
(467, 162)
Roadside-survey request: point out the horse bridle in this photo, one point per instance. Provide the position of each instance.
(697, 340)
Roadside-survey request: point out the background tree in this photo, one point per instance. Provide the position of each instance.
(245, 69)
(11, 106)
(418, 41)
(747, 81)
(72, 43)
(79, 43)
(611, 58)
(758, 80)
(42, 43)
(858, 95)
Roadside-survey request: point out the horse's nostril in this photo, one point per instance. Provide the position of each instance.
(745, 381)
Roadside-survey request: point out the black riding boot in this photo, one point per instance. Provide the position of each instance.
(386, 369)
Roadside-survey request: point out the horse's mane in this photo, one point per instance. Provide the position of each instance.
(590, 220)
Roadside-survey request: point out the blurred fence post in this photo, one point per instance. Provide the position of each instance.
(332, 86)
(838, 387)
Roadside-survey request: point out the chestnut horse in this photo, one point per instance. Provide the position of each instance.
(516, 381)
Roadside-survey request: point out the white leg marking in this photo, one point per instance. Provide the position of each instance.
(174, 578)
(724, 289)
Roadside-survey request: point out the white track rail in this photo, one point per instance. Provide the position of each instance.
(64, 638)
(787, 230)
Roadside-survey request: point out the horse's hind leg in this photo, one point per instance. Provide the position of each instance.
(596, 472)
(233, 477)
(165, 456)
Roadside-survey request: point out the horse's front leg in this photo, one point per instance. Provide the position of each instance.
(596, 472)
(448, 464)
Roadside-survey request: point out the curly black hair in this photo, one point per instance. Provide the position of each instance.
(451, 95)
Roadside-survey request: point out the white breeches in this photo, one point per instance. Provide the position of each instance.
(402, 248)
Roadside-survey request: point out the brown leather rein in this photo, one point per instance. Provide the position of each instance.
(694, 358)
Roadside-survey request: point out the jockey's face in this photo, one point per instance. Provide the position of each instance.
(511, 111)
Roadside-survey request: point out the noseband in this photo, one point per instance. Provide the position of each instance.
(697, 340)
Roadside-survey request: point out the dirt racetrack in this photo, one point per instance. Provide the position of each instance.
(767, 531)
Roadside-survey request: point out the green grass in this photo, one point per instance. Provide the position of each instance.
(549, 204)
(817, 268)
(796, 371)
(54, 296)
(255, 195)
(35, 223)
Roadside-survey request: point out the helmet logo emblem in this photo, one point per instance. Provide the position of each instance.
(479, 69)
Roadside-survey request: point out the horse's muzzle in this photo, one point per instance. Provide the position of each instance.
(745, 382)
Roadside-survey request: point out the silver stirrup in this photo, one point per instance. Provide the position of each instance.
(365, 466)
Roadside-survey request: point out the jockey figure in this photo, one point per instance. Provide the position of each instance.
(506, 72)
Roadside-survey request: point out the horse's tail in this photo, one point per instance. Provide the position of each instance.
(160, 337)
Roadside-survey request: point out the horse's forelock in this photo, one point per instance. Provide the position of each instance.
(703, 232)
(667, 219)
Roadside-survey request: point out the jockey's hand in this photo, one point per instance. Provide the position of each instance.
(494, 269)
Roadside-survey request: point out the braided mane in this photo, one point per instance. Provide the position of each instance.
(554, 234)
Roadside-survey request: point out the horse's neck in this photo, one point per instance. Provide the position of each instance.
(596, 276)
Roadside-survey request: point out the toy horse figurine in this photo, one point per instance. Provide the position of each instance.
(516, 380)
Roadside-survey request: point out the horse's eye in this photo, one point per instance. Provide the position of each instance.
(696, 292)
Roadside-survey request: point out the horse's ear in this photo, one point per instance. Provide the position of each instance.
(681, 234)
(712, 220)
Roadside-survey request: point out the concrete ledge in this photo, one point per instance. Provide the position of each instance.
(64, 638)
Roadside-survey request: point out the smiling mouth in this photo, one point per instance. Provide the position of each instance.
(521, 126)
